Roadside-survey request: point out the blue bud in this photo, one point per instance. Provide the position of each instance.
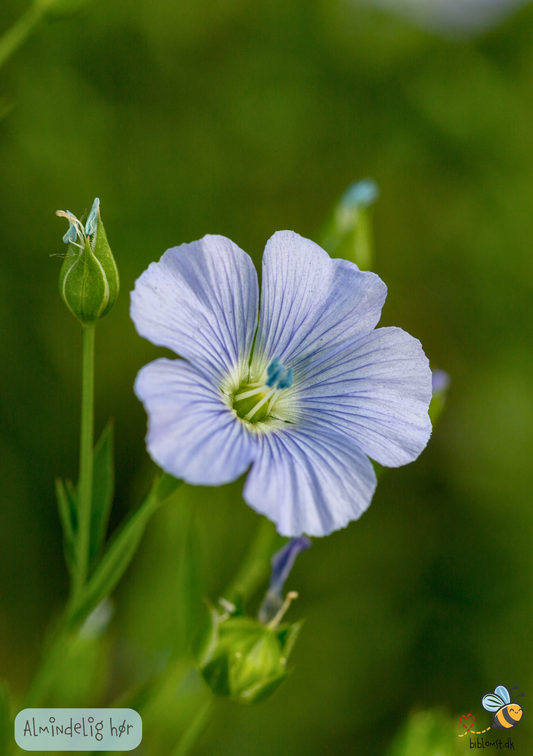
(440, 382)
(361, 193)
(282, 563)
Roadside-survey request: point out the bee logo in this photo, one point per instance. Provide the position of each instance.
(507, 712)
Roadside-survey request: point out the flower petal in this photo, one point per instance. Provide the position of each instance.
(192, 433)
(376, 391)
(201, 301)
(309, 481)
(310, 301)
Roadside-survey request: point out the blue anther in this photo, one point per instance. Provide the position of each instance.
(273, 367)
(286, 381)
(92, 220)
(72, 233)
(278, 376)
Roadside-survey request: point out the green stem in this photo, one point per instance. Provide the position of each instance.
(256, 566)
(20, 31)
(194, 730)
(85, 485)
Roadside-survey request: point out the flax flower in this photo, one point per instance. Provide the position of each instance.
(300, 392)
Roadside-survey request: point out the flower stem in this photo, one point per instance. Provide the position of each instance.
(85, 484)
(256, 566)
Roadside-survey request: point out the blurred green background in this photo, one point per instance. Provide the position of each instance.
(243, 117)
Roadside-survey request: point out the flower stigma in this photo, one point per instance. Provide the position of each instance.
(255, 401)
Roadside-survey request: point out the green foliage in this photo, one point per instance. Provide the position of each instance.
(6, 717)
(102, 490)
(348, 231)
(242, 659)
(428, 733)
(123, 545)
(102, 499)
(82, 673)
(67, 514)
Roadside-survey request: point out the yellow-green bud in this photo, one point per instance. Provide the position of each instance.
(242, 659)
(88, 280)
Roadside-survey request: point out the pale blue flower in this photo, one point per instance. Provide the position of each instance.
(300, 397)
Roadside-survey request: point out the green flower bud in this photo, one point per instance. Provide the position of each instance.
(242, 659)
(348, 232)
(88, 280)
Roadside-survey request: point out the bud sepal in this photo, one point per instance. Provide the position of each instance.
(242, 659)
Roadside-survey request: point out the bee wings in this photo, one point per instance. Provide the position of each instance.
(503, 693)
(494, 701)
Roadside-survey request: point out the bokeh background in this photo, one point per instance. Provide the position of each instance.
(242, 117)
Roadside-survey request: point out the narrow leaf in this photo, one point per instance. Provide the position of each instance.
(123, 546)
(65, 515)
(103, 488)
(73, 502)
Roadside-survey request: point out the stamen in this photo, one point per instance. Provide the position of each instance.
(254, 401)
(71, 235)
(274, 622)
(246, 394)
(260, 404)
(75, 228)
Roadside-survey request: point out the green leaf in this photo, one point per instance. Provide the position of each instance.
(123, 546)
(103, 489)
(6, 723)
(67, 517)
(73, 502)
(287, 636)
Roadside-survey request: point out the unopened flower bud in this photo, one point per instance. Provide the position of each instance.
(242, 659)
(348, 232)
(440, 382)
(88, 280)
